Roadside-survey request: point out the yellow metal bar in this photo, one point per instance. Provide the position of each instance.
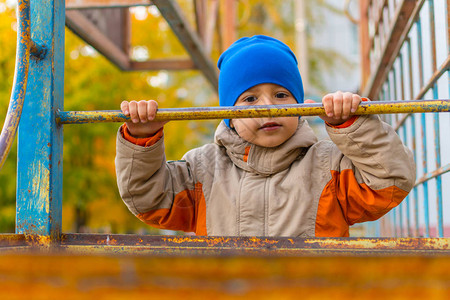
(237, 112)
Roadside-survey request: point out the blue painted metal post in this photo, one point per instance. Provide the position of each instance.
(39, 183)
(408, 198)
(415, 191)
(437, 151)
(423, 131)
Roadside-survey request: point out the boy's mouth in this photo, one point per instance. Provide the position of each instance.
(270, 126)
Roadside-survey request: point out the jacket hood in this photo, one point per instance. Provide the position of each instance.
(262, 160)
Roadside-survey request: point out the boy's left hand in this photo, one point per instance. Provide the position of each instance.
(339, 107)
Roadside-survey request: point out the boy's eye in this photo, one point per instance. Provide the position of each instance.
(250, 99)
(281, 95)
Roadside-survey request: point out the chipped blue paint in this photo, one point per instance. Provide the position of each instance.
(39, 166)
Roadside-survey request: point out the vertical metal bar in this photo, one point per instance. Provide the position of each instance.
(402, 76)
(437, 151)
(437, 144)
(200, 18)
(301, 44)
(228, 22)
(398, 209)
(432, 35)
(415, 189)
(402, 90)
(413, 129)
(394, 87)
(378, 229)
(364, 42)
(407, 200)
(423, 133)
(420, 54)
(448, 24)
(39, 166)
(389, 117)
(394, 221)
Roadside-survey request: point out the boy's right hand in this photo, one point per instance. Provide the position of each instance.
(142, 114)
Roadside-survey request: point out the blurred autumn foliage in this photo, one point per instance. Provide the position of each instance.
(91, 202)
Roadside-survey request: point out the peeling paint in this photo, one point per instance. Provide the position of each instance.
(40, 177)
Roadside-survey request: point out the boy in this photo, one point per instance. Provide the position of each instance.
(268, 176)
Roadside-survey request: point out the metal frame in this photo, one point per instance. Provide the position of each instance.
(398, 69)
(90, 4)
(39, 176)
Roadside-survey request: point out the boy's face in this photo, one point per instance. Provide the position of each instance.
(265, 132)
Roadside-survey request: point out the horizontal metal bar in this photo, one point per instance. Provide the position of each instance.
(442, 170)
(262, 245)
(94, 4)
(255, 246)
(238, 112)
(85, 272)
(163, 64)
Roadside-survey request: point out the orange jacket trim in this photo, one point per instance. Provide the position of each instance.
(346, 124)
(188, 213)
(340, 204)
(246, 153)
(144, 142)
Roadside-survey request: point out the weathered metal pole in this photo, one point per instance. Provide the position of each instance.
(237, 112)
(39, 175)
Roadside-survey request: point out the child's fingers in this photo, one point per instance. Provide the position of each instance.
(347, 105)
(133, 107)
(356, 100)
(142, 111)
(327, 102)
(309, 101)
(152, 107)
(124, 108)
(337, 104)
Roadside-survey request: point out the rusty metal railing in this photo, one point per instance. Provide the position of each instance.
(20, 80)
(235, 112)
(412, 61)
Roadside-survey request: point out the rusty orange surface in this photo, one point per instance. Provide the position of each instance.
(53, 276)
(104, 266)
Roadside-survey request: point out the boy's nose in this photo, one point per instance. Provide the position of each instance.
(266, 100)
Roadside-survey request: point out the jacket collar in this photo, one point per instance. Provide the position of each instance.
(262, 160)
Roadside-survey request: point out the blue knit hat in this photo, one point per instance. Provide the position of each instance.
(254, 60)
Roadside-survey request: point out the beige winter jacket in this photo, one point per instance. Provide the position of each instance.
(301, 188)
